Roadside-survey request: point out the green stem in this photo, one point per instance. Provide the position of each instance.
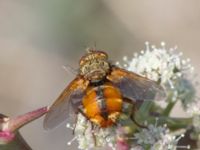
(144, 110)
(169, 108)
(172, 123)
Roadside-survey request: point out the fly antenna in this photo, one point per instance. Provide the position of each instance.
(95, 45)
(92, 49)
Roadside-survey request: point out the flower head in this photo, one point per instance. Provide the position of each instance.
(158, 138)
(159, 64)
(168, 68)
(89, 137)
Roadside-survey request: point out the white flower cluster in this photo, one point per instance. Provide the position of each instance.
(159, 64)
(150, 135)
(166, 67)
(89, 138)
(158, 138)
(168, 142)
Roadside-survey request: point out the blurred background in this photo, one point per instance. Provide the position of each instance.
(38, 37)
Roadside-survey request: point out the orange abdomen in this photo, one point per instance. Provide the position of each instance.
(102, 104)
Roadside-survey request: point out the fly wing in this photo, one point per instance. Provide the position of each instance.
(66, 104)
(134, 86)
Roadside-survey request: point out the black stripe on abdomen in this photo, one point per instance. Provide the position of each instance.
(102, 103)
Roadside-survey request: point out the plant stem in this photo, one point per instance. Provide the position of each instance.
(169, 108)
(144, 110)
(172, 123)
(17, 144)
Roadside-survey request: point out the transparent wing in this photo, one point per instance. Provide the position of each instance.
(66, 104)
(134, 86)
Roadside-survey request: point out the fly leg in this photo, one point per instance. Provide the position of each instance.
(76, 119)
(85, 128)
(93, 135)
(129, 108)
(82, 113)
(138, 124)
(133, 118)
